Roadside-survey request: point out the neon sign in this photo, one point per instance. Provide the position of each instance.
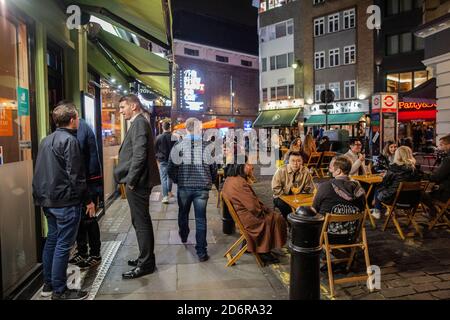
(193, 90)
(416, 105)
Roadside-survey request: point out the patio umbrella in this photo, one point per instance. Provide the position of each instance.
(218, 124)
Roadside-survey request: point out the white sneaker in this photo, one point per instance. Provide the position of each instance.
(165, 200)
(375, 213)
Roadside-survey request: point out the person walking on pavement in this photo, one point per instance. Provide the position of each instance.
(163, 146)
(194, 178)
(89, 230)
(137, 169)
(59, 187)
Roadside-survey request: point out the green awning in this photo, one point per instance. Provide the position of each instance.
(343, 118)
(137, 62)
(151, 19)
(277, 118)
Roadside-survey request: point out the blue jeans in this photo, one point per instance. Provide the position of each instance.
(166, 182)
(200, 199)
(62, 231)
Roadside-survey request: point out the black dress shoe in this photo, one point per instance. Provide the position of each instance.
(183, 239)
(137, 272)
(204, 258)
(133, 263)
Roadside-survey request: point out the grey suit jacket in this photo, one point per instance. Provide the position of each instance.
(137, 163)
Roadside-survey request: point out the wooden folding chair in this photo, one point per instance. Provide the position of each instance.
(407, 198)
(313, 163)
(325, 163)
(442, 215)
(244, 237)
(360, 242)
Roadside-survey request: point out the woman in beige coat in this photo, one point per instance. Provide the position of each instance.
(265, 228)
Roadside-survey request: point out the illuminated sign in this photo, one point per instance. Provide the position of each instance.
(247, 125)
(416, 106)
(387, 102)
(192, 90)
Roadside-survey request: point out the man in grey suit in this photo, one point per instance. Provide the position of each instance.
(138, 170)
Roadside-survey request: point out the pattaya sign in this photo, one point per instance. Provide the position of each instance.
(193, 90)
(416, 106)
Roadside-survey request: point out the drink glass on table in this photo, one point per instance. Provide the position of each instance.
(295, 190)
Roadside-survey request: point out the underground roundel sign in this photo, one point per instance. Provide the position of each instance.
(389, 101)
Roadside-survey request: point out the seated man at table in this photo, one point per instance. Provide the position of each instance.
(340, 195)
(357, 158)
(285, 177)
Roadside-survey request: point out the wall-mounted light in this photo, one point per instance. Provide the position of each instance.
(232, 94)
(310, 101)
(362, 96)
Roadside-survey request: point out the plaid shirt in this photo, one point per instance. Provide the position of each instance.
(193, 172)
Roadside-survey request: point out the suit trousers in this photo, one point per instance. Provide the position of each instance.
(139, 202)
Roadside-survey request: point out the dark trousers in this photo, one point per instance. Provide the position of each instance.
(139, 202)
(88, 233)
(284, 208)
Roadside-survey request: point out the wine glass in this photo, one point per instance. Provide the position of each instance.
(295, 190)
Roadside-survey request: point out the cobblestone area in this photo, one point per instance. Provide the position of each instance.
(415, 269)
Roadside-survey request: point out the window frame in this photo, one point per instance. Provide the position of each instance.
(332, 55)
(349, 16)
(320, 23)
(197, 51)
(333, 86)
(332, 21)
(225, 58)
(318, 88)
(319, 55)
(348, 52)
(349, 85)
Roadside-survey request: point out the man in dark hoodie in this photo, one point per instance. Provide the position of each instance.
(340, 196)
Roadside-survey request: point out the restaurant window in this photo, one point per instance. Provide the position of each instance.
(282, 92)
(273, 93)
(15, 124)
(281, 61)
(264, 64)
(420, 77)
(316, 2)
(111, 118)
(264, 94)
(406, 81)
(392, 82)
(191, 52)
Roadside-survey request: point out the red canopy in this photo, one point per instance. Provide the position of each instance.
(429, 115)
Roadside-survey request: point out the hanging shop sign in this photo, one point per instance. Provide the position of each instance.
(339, 107)
(387, 102)
(247, 125)
(23, 101)
(192, 90)
(6, 123)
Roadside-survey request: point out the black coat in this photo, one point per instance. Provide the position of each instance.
(163, 145)
(59, 177)
(137, 163)
(392, 179)
(442, 177)
(382, 163)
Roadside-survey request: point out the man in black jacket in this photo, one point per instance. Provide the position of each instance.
(59, 187)
(163, 146)
(89, 230)
(138, 170)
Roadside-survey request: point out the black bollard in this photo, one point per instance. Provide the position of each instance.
(228, 226)
(306, 226)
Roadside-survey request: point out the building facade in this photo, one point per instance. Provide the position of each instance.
(332, 49)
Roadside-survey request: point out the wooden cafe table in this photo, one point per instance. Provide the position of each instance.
(304, 199)
(371, 180)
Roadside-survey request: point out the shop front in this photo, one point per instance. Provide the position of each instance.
(347, 115)
(417, 110)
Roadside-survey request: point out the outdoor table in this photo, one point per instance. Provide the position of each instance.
(305, 199)
(370, 179)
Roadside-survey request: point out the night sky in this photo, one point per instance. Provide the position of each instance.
(240, 11)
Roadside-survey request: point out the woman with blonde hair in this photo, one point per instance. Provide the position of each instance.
(403, 169)
(309, 146)
(386, 158)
